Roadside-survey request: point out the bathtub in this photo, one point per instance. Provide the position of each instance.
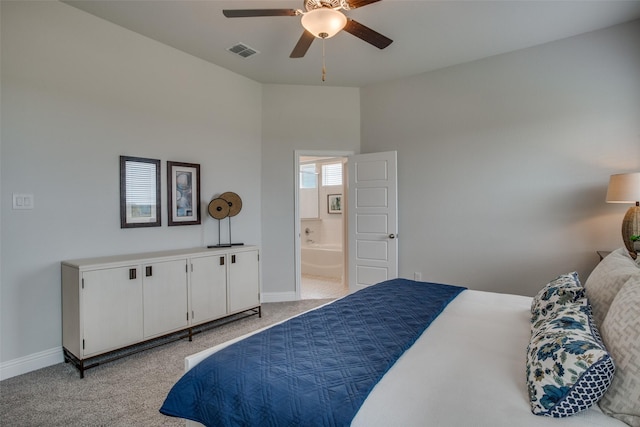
(323, 260)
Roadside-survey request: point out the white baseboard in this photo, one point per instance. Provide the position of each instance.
(31, 362)
(278, 296)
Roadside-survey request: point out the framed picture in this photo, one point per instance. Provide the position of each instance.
(334, 203)
(183, 192)
(139, 192)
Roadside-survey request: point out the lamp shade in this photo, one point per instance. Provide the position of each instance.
(324, 22)
(624, 188)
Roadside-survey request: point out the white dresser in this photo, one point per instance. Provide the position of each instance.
(112, 303)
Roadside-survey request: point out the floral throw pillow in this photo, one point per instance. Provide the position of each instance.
(564, 290)
(568, 367)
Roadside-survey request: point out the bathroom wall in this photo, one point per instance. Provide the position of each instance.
(327, 229)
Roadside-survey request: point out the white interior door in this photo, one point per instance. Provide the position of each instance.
(373, 219)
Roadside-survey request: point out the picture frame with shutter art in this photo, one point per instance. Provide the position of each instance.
(139, 192)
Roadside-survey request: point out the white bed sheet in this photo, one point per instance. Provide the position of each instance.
(467, 369)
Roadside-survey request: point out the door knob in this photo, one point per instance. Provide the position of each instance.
(392, 236)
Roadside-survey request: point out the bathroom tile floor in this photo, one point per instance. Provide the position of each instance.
(316, 287)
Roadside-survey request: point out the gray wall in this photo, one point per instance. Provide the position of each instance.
(504, 162)
(296, 118)
(78, 92)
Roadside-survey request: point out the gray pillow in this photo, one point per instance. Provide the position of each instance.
(621, 335)
(606, 280)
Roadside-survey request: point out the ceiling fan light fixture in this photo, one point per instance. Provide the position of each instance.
(323, 23)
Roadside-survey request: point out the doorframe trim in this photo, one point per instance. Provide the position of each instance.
(296, 209)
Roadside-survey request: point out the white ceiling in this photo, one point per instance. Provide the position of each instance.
(427, 34)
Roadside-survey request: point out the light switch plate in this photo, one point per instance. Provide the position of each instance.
(22, 201)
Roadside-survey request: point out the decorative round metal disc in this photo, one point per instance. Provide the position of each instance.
(235, 202)
(218, 208)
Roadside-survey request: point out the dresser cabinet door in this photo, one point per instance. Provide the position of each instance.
(208, 288)
(111, 309)
(165, 297)
(244, 280)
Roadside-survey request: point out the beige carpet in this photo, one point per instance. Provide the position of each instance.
(126, 392)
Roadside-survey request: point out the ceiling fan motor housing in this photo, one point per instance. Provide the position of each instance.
(330, 4)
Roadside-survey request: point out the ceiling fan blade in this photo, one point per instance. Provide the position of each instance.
(247, 13)
(303, 45)
(354, 4)
(367, 34)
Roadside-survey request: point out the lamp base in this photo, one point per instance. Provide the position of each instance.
(631, 227)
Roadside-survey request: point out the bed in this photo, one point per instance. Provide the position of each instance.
(472, 365)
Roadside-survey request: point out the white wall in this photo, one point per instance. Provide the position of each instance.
(504, 162)
(296, 118)
(78, 92)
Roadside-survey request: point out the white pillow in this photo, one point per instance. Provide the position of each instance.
(621, 335)
(606, 280)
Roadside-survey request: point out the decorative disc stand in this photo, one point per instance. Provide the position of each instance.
(229, 204)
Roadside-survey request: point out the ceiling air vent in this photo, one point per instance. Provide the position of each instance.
(242, 50)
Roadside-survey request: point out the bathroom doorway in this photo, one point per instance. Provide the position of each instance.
(321, 225)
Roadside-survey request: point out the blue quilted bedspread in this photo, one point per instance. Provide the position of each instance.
(312, 370)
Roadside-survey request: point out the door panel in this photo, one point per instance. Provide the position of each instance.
(372, 197)
(368, 250)
(373, 219)
(368, 275)
(165, 297)
(112, 309)
(244, 281)
(208, 288)
(372, 223)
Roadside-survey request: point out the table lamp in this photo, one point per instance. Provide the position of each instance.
(625, 188)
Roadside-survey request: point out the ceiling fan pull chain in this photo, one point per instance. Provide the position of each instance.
(324, 69)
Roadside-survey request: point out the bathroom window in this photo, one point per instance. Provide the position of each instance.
(308, 191)
(308, 176)
(332, 174)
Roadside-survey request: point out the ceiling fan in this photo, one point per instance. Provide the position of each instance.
(323, 20)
